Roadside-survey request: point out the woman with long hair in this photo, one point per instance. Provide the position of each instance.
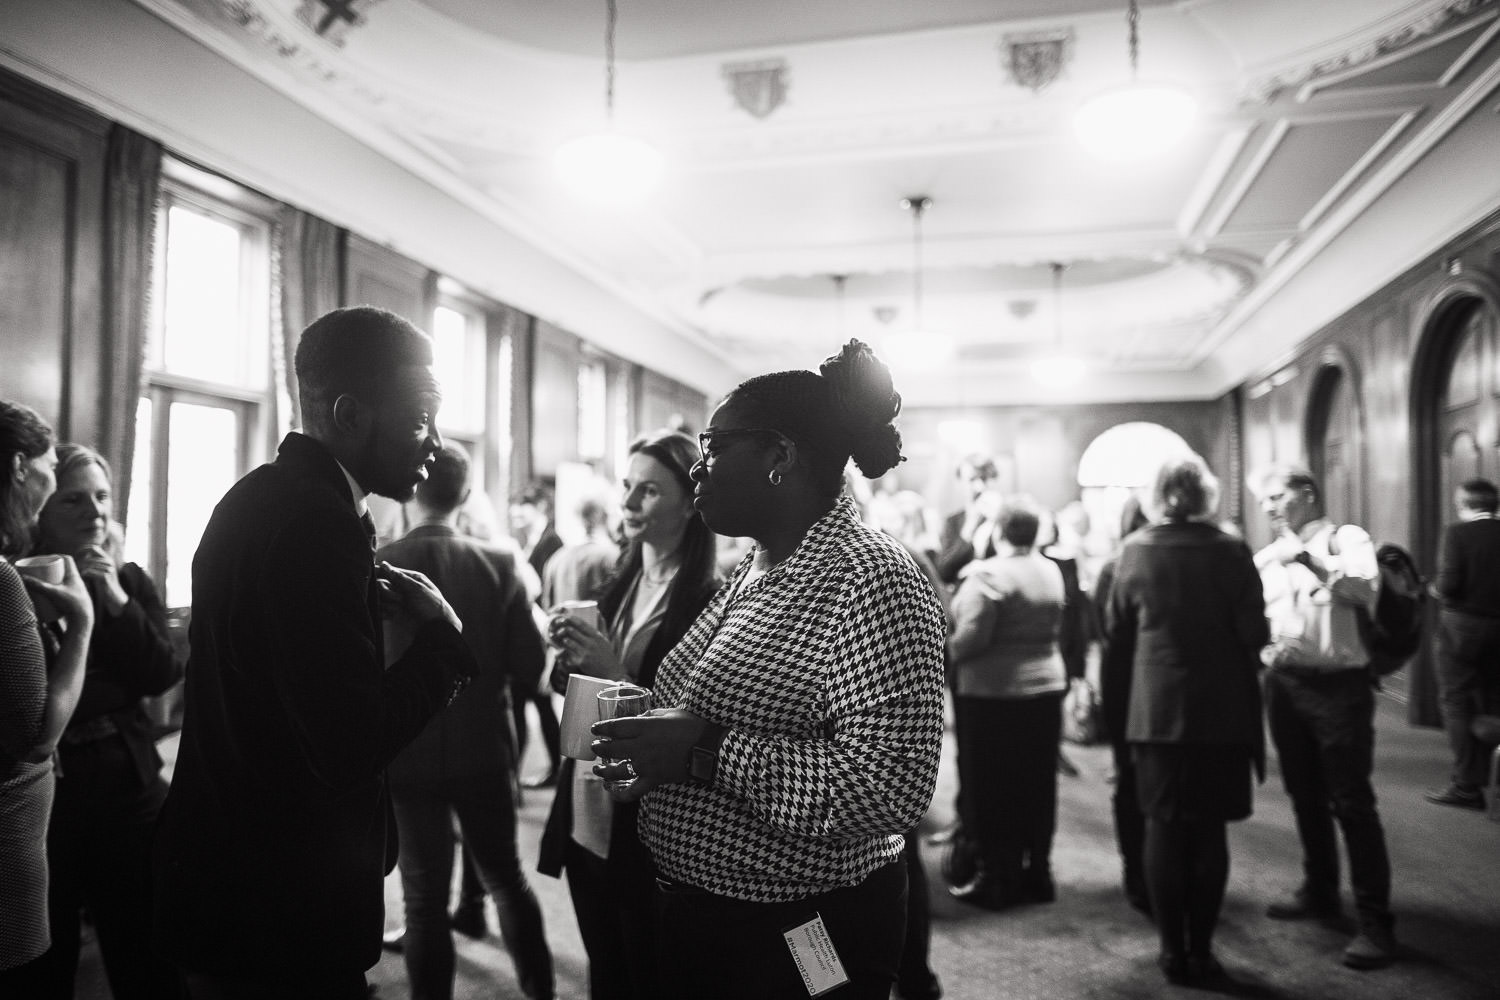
(41, 675)
(664, 579)
(109, 787)
(1186, 612)
(799, 721)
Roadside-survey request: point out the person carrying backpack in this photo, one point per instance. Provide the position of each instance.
(1320, 579)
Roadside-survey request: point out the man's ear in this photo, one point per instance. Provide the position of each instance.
(348, 414)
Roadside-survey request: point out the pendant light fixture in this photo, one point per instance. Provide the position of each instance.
(1138, 120)
(917, 348)
(609, 167)
(1058, 369)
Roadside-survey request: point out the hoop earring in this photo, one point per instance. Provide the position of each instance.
(773, 477)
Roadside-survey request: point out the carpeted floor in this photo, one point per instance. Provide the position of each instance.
(1090, 944)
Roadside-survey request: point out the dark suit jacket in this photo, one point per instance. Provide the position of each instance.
(1186, 613)
(277, 832)
(474, 735)
(130, 658)
(956, 550)
(1467, 579)
(546, 547)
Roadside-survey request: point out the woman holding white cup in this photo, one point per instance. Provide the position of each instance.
(41, 675)
(664, 579)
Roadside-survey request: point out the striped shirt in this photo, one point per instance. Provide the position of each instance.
(827, 671)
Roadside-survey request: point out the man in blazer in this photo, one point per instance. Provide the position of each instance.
(1469, 637)
(966, 533)
(277, 833)
(462, 764)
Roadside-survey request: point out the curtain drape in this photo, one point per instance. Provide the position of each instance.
(132, 181)
(310, 270)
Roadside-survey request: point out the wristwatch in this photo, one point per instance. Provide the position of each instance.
(703, 758)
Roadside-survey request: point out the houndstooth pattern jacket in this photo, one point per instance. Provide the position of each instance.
(828, 672)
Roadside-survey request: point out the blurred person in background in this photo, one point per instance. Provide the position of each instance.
(664, 580)
(967, 534)
(462, 764)
(1008, 682)
(1185, 610)
(109, 786)
(41, 678)
(531, 524)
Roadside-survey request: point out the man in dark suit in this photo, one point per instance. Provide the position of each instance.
(531, 522)
(966, 534)
(277, 833)
(1469, 638)
(462, 763)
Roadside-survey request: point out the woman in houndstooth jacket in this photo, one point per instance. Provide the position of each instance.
(801, 715)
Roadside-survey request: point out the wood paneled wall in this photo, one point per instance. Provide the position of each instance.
(52, 155)
(1392, 354)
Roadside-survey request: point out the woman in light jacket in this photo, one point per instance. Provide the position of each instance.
(1008, 684)
(1186, 612)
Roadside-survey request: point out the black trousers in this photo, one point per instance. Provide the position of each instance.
(1468, 675)
(729, 949)
(615, 903)
(1007, 761)
(99, 856)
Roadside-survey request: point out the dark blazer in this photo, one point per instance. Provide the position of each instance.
(546, 547)
(277, 832)
(474, 735)
(955, 551)
(130, 658)
(1187, 612)
(681, 613)
(1467, 580)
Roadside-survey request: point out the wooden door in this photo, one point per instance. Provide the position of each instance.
(1334, 443)
(1469, 415)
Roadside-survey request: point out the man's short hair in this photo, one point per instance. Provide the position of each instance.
(355, 350)
(983, 465)
(1480, 495)
(447, 482)
(535, 495)
(1288, 477)
(1185, 489)
(1018, 523)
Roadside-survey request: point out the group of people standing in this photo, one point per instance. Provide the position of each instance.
(342, 701)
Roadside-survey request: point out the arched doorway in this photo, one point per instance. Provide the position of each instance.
(1456, 433)
(1118, 462)
(1335, 437)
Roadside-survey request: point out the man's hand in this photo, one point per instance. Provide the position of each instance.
(407, 592)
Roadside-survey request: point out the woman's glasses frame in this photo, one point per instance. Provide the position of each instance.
(710, 440)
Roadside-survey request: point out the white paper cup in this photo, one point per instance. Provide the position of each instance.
(580, 712)
(584, 611)
(48, 569)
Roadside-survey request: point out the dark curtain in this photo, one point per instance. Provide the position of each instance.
(310, 269)
(132, 180)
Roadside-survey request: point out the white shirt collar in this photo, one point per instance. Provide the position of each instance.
(359, 495)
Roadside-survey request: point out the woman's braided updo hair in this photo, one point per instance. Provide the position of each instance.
(845, 410)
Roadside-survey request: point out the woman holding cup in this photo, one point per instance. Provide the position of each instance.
(41, 675)
(109, 787)
(664, 579)
(799, 721)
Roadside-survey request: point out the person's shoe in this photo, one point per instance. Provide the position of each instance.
(468, 919)
(1204, 970)
(983, 893)
(394, 940)
(1039, 889)
(1372, 948)
(540, 780)
(1301, 906)
(1174, 967)
(1457, 795)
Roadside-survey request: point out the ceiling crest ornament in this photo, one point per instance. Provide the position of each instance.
(1432, 19)
(1036, 58)
(332, 20)
(758, 87)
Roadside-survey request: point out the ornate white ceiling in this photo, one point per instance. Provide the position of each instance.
(1306, 107)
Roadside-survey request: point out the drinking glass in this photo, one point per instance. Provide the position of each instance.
(621, 701)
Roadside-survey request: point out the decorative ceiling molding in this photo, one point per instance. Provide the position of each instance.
(1430, 20)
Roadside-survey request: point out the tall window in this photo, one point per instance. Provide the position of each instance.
(203, 420)
(593, 409)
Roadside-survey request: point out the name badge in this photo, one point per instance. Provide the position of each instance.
(817, 960)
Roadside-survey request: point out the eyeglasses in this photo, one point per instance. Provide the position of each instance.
(711, 442)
